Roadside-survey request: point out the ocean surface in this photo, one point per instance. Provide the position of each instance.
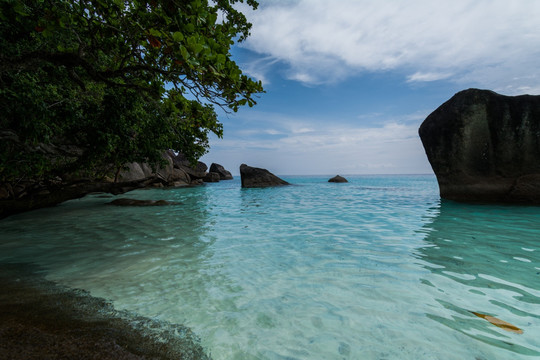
(377, 268)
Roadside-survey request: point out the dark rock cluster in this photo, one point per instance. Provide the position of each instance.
(178, 172)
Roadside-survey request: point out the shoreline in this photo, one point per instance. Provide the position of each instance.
(42, 320)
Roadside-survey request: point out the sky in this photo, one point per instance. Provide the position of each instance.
(348, 82)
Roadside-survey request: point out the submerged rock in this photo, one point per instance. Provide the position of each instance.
(253, 177)
(135, 202)
(223, 174)
(485, 147)
(338, 179)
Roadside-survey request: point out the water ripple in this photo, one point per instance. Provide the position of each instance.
(378, 268)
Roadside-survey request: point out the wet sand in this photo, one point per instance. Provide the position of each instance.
(41, 320)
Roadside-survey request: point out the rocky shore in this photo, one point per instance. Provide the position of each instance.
(177, 171)
(41, 320)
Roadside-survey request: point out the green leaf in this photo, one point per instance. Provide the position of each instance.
(197, 48)
(154, 32)
(178, 36)
(184, 52)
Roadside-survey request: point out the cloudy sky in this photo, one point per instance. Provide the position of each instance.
(348, 82)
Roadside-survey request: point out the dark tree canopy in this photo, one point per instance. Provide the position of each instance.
(87, 86)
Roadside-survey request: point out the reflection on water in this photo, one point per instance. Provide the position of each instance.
(485, 259)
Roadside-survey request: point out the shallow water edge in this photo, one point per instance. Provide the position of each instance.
(40, 319)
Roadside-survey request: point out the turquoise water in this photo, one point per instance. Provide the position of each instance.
(378, 268)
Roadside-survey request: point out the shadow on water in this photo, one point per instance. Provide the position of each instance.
(485, 259)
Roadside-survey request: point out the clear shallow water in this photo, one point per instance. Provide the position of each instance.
(378, 268)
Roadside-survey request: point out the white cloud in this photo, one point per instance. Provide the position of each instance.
(492, 43)
(325, 147)
(257, 69)
(430, 76)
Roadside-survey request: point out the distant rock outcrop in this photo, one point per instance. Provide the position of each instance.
(338, 179)
(485, 147)
(253, 177)
(223, 174)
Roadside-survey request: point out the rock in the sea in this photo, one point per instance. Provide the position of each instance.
(253, 177)
(223, 174)
(211, 177)
(135, 202)
(485, 147)
(338, 179)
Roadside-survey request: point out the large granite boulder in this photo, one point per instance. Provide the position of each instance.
(223, 174)
(485, 147)
(132, 172)
(253, 177)
(169, 173)
(180, 161)
(338, 179)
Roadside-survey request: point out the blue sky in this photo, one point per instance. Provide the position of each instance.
(348, 82)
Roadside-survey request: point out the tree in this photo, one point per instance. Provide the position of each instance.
(89, 85)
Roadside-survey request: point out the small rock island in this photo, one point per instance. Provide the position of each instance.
(485, 147)
(338, 179)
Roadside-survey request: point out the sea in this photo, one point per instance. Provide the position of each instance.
(376, 268)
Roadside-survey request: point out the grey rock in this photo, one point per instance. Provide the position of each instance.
(181, 162)
(485, 147)
(165, 171)
(132, 173)
(196, 182)
(211, 177)
(179, 175)
(253, 177)
(338, 179)
(223, 174)
(168, 173)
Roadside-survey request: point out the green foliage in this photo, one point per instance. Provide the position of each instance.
(94, 84)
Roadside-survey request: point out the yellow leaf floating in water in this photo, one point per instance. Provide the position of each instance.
(500, 323)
